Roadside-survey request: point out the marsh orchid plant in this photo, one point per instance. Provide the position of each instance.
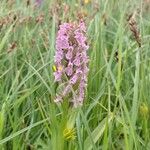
(71, 62)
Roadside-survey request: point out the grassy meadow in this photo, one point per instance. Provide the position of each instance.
(116, 110)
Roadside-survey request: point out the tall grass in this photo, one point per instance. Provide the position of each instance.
(116, 111)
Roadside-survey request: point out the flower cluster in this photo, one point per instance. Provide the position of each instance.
(38, 2)
(71, 62)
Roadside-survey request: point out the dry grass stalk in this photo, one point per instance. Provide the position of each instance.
(133, 27)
